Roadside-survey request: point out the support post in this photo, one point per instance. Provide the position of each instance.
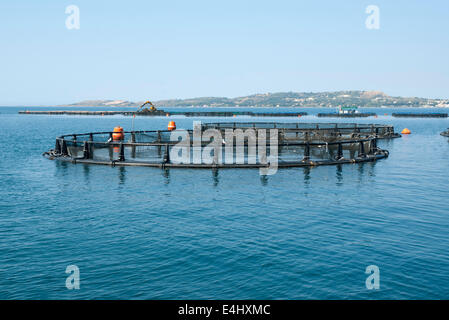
(362, 150)
(158, 140)
(122, 152)
(64, 150)
(216, 153)
(57, 147)
(133, 141)
(340, 152)
(373, 146)
(86, 151)
(306, 153)
(166, 155)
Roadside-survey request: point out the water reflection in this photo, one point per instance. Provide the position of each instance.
(122, 175)
(339, 174)
(86, 171)
(264, 180)
(363, 170)
(215, 176)
(166, 175)
(366, 169)
(385, 143)
(306, 171)
(61, 167)
(371, 168)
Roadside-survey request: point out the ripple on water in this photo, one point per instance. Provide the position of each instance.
(143, 233)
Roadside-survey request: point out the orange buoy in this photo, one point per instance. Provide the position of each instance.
(234, 115)
(299, 116)
(118, 134)
(167, 115)
(406, 131)
(385, 114)
(171, 126)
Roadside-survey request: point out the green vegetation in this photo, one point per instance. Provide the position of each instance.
(287, 99)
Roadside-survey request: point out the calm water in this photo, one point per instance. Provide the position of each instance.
(145, 233)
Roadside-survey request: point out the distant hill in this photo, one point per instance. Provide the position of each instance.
(284, 99)
(101, 103)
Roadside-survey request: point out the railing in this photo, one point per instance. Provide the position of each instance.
(378, 130)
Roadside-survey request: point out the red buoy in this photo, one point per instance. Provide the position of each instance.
(118, 134)
(171, 126)
(406, 131)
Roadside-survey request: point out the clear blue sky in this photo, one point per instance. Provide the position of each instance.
(136, 50)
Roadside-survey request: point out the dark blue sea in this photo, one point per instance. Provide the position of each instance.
(147, 233)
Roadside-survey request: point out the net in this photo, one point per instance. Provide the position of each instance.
(222, 147)
(322, 130)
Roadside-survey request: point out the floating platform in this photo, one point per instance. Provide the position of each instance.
(158, 113)
(73, 113)
(325, 130)
(162, 148)
(238, 113)
(420, 115)
(346, 115)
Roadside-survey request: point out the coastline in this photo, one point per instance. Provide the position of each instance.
(222, 107)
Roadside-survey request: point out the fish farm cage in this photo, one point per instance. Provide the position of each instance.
(419, 115)
(206, 148)
(346, 115)
(324, 130)
(445, 133)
